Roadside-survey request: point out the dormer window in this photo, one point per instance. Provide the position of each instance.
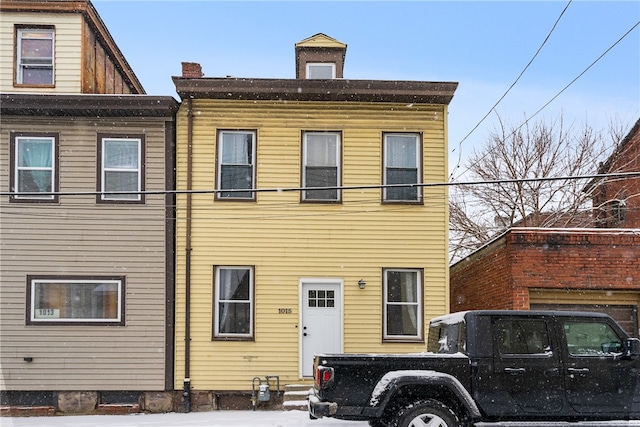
(320, 57)
(34, 56)
(317, 70)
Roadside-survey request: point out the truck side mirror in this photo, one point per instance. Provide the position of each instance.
(632, 347)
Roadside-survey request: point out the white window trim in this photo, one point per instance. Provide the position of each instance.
(103, 181)
(20, 66)
(419, 303)
(310, 65)
(44, 320)
(418, 160)
(217, 301)
(220, 164)
(17, 194)
(338, 166)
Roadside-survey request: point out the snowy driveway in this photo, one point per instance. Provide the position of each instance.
(232, 419)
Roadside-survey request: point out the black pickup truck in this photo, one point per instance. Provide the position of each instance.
(489, 366)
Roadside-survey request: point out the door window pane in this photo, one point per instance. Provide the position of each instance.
(591, 339)
(520, 336)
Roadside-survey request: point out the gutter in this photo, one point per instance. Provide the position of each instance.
(187, 297)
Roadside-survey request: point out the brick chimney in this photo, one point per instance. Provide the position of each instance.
(192, 70)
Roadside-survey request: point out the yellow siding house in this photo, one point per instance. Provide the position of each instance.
(305, 219)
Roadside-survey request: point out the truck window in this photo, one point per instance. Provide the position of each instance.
(447, 338)
(591, 338)
(522, 336)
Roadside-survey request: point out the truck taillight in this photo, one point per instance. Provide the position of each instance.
(323, 376)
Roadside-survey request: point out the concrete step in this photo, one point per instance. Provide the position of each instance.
(295, 397)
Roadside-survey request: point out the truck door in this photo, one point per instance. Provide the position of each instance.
(527, 362)
(597, 378)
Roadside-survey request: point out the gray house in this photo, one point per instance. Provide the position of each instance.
(86, 229)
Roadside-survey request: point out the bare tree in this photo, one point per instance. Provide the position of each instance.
(533, 151)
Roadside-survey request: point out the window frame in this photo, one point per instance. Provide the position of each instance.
(18, 79)
(14, 181)
(219, 194)
(103, 196)
(303, 166)
(386, 336)
(216, 335)
(419, 166)
(310, 65)
(32, 280)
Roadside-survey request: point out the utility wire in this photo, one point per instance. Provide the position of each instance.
(508, 90)
(560, 92)
(632, 174)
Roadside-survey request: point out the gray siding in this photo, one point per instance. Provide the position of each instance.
(77, 236)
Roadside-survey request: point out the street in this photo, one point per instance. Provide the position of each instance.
(237, 419)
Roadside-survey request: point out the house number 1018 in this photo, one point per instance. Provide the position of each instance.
(285, 311)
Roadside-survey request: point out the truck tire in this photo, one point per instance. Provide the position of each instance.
(425, 413)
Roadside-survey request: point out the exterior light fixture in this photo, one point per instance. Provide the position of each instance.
(361, 283)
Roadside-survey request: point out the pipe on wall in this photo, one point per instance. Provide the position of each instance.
(187, 295)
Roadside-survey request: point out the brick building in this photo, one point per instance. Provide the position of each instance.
(617, 201)
(595, 269)
(568, 269)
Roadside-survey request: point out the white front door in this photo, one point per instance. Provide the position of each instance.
(321, 321)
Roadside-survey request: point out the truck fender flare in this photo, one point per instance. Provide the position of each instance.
(394, 380)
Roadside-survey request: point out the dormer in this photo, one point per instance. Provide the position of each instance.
(320, 57)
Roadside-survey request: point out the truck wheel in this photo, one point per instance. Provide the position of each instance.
(425, 413)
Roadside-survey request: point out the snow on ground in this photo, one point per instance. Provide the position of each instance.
(235, 419)
(193, 419)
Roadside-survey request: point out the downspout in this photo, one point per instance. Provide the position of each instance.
(187, 294)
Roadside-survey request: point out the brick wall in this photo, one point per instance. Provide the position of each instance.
(500, 275)
(625, 159)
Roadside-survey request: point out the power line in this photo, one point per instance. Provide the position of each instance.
(561, 91)
(348, 187)
(509, 89)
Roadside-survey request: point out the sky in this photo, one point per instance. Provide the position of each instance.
(482, 45)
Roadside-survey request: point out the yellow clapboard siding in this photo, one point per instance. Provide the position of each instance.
(285, 240)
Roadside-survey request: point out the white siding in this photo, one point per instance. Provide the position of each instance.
(68, 48)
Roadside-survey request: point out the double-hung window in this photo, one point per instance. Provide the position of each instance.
(73, 300)
(236, 165)
(33, 167)
(34, 56)
(321, 166)
(121, 168)
(233, 302)
(402, 304)
(402, 165)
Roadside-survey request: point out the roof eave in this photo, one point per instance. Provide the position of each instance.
(89, 105)
(316, 90)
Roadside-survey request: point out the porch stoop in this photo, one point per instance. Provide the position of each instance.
(295, 397)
